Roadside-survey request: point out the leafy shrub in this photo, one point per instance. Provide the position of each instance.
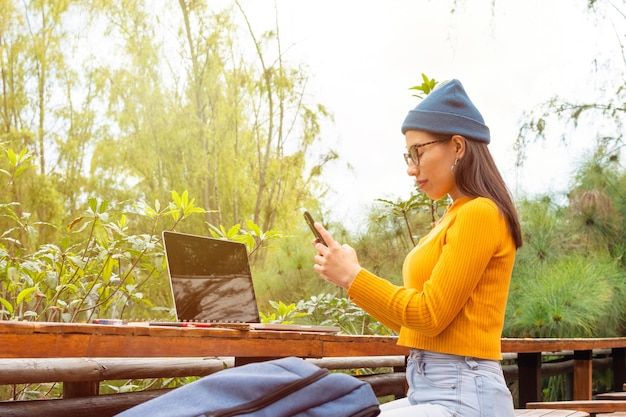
(573, 296)
(108, 273)
(328, 310)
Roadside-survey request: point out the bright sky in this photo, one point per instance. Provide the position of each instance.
(363, 55)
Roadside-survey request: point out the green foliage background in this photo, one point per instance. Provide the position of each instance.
(217, 123)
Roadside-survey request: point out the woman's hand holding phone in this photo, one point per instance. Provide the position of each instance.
(335, 263)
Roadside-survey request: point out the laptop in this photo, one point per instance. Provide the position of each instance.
(211, 282)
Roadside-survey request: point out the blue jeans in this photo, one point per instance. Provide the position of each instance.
(442, 385)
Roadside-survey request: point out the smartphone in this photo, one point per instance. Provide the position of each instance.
(310, 221)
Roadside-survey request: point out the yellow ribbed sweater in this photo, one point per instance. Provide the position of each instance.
(456, 282)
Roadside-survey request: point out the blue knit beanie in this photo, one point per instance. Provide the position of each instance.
(448, 110)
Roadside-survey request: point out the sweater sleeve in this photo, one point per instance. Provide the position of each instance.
(369, 286)
(469, 243)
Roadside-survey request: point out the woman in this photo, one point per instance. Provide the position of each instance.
(450, 310)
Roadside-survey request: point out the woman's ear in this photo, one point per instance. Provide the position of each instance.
(458, 142)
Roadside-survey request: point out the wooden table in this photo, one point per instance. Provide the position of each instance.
(59, 340)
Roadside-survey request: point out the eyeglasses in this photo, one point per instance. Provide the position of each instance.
(414, 156)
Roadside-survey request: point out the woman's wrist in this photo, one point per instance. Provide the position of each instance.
(352, 277)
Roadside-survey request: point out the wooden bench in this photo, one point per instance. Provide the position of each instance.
(111, 404)
(93, 406)
(611, 396)
(550, 413)
(84, 375)
(589, 406)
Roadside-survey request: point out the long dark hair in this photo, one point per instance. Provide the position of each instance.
(477, 175)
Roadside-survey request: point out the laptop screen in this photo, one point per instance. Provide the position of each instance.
(210, 279)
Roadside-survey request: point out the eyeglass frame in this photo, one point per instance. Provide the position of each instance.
(415, 148)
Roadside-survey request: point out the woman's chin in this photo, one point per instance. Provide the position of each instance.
(433, 196)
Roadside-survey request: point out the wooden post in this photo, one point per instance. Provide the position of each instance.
(583, 367)
(619, 369)
(80, 389)
(403, 369)
(529, 381)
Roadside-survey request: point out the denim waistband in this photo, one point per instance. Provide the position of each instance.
(421, 357)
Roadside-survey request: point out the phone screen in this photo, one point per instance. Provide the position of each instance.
(310, 221)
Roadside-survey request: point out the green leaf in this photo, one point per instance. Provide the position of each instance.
(12, 157)
(6, 305)
(233, 231)
(427, 86)
(254, 228)
(122, 222)
(176, 198)
(103, 206)
(107, 268)
(25, 295)
(92, 202)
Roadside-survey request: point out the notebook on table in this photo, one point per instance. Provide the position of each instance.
(211, 282)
